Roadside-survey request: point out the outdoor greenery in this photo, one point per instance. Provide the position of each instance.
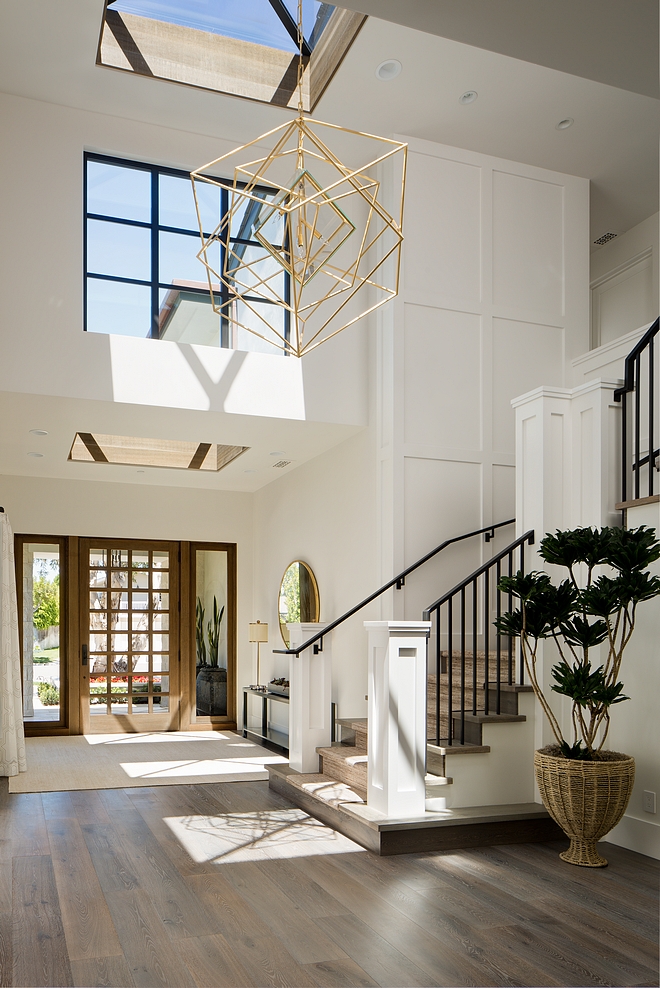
(290, 591)
(581, 613)
(45, 656)
(48, 694)
(46, 602)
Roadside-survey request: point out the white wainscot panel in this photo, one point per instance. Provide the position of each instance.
(442, 249)
(442, 361)
(525, 356)
(442, 499)
(622, 302)
(528, 247)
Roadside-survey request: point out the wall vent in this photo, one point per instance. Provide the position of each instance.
(281, 463)
(605, 239)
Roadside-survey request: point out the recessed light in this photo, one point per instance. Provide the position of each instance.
(565, 123)
(389, 69)
(249, 471)
(37, 456)
(38, 432)
(278, 452)
(468, 97)
(140, 471)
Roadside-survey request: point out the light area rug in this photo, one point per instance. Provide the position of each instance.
(122, 761)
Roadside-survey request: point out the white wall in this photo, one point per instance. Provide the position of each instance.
(624, 283)
(44, 350)
(635, 726)
(322, 513)
(494, 302)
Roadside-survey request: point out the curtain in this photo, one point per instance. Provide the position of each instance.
(12, 738)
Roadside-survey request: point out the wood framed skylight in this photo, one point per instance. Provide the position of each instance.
(171, 453)
(247, 48)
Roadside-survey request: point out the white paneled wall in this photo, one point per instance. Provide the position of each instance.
(494, 303)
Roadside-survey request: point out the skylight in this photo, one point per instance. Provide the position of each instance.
(246, 48)
(261, 22)
(172, 453)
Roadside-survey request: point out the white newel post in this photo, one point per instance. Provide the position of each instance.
(310, 698)
(567, 470)
(397, 716)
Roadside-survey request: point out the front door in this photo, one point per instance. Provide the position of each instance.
(129, 635)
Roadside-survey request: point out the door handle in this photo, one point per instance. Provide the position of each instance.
(84, 655)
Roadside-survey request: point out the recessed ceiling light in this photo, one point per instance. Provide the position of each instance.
(468, 97)
(38, 432)
(565, 123)
(141, 471)
(389, 69)
(37, 456)
(249, 471)
(278, 452)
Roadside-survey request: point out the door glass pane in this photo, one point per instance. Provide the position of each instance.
(41, 632)
(211, 632)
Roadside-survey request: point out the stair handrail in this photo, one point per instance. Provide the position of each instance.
(398, 581)
(460, 590)
(632, 383)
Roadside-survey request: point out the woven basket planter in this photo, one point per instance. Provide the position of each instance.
(586, 799)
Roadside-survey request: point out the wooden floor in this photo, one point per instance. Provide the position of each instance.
(228, 884)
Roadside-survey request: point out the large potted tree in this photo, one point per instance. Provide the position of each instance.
(584, 787)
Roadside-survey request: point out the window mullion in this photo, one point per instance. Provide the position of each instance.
(155, 332)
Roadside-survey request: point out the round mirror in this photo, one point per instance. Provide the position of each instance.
(299, 597)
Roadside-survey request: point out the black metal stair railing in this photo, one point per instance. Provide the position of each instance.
(397, 581)
(463, 618)
(638, 415)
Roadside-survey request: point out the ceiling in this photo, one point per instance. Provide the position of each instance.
(597, 62)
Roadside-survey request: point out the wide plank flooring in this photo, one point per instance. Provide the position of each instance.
(228, 884)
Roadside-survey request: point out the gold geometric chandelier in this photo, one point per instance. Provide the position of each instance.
(306, 247)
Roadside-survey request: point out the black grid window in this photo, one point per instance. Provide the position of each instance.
(142, 274)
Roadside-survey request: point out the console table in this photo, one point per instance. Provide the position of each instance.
(269, 736)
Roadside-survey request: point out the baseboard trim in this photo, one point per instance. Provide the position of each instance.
(642, 836)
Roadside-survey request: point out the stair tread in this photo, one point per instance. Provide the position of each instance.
(444, 748)
(483, 718)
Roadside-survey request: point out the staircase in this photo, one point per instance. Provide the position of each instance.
(475, 709)
(337, 795)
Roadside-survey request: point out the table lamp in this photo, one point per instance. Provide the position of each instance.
(258, 634)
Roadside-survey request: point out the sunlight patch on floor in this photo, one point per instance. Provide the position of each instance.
(157, 737)
(208, 766)
(257, 836)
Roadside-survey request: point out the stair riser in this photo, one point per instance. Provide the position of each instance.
(337, 767)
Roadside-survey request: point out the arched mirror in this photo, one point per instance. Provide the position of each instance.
(299, 597)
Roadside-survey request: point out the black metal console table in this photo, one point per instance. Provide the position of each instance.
(269, 737)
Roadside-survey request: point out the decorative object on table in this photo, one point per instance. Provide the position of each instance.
(584, 787)
(211, 677)
(299, 597)
(258, 634)
(318, 229)
(279, 686)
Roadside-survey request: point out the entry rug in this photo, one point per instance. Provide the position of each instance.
(122, 761)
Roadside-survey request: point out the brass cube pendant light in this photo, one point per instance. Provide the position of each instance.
(307, 246)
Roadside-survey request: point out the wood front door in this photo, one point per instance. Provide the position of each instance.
(129, 635)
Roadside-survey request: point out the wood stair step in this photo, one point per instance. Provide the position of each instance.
(327, 789)
(345, 764)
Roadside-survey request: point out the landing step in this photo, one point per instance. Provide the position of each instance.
(434, 831)
(454, 748)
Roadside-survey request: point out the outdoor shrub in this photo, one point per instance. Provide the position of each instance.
(48, 694)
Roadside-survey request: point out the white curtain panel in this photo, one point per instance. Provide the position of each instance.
(12, 738)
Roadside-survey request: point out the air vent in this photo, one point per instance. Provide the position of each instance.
(281, 463)
(605, 239)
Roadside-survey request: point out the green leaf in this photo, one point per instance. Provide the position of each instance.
(579, 632)
(632, 548)
(581, 545)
